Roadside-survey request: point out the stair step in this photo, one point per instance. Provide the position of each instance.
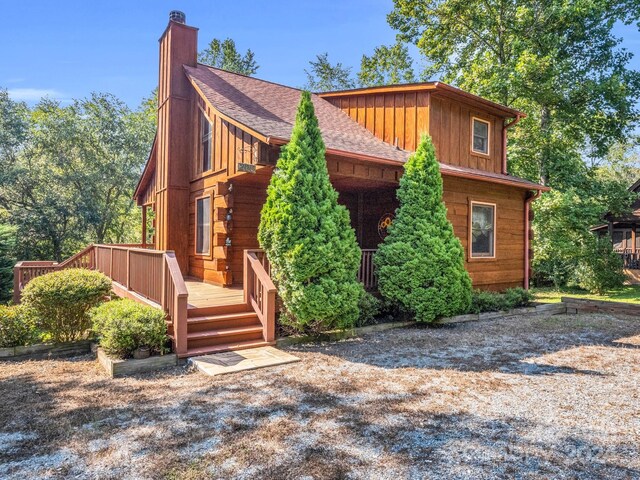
(225, 347)
(217, 310)
(222, 316)
(224, 332)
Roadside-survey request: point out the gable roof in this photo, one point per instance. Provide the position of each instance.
(269, 109)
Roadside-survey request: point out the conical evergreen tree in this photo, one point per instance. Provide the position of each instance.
(307, 236)
(420, 264)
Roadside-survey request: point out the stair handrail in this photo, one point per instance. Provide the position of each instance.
(174, 301)
(260, 291)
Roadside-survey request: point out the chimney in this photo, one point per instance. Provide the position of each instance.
(178, 47)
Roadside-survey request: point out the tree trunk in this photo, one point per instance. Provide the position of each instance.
(545, 153)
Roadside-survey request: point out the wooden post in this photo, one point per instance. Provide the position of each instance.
(360, 218)
(144, 226)
(16, 284)
(633, 242)
(128, 273)
(245, 276)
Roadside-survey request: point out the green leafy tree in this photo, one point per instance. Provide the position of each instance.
(307, 236)
(224, 54)
(7, 261)
(387, 66)
(322, 76)
(420, 264)
(68, 175)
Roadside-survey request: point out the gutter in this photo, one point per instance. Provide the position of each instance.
(504, 141)
(527, 232)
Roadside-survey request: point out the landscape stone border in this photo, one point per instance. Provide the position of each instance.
(122, 368)
(46, 350)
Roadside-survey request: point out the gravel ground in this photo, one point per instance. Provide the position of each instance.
(546, 397)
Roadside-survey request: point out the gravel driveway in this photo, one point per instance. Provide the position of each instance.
(546, 397)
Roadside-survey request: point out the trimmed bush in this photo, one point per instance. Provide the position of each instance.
(122, 326)
(16, 327)
(308, 237)
(420, 264)
(486, 301)
(61, 301)
(370, 307)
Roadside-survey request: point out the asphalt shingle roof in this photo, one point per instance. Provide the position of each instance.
(270, 109)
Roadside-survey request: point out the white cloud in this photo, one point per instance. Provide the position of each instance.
(33, 94)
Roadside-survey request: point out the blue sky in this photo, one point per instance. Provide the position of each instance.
(67, 49)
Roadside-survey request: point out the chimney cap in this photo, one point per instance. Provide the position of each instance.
(177, 16)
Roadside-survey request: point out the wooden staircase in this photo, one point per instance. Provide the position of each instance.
(221, 328)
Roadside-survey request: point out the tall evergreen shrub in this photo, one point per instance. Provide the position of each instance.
(307, 236)
(420, 264)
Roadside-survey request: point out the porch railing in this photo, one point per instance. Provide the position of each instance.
(137, 272)
(367, 274)
(260, 292)
(630, 257)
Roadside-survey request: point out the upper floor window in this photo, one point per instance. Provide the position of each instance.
(480, 140)
(203, 225)
(483, 228)
(205, 142)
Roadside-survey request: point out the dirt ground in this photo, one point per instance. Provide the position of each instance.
(550, 397)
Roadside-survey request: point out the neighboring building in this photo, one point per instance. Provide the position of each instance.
(218, 139)
(623, 231)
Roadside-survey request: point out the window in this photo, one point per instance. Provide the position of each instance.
(203, 225)
(480, 140)
(483, 226)
(205, 142)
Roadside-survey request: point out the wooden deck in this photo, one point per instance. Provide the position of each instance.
(206, 295)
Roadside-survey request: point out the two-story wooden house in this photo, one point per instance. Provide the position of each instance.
(218, 139)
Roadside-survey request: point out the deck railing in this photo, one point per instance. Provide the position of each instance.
(367, 274)
(260, 292)
(137, 272)
(630, 257)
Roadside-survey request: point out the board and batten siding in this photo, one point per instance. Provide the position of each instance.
(401, 118)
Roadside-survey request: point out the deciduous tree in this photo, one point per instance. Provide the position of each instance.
(224, 54)
(388, 65)
(323, 76)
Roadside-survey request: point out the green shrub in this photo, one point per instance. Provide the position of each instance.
(61, 301)
(486, 301)
(370, 307)
(124, 325)
(599, 268)
(420, 264)
(307, 235)
(17, 327)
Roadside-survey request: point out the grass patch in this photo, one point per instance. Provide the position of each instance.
(628, 294)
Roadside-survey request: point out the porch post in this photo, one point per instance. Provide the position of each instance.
(144, 226)
(633, 240)
(359, 230)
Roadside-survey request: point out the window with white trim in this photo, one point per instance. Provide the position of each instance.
(203, 225)
(205, 142)
(483, 230)
(480, 136)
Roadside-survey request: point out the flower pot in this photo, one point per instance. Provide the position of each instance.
(141, 352)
